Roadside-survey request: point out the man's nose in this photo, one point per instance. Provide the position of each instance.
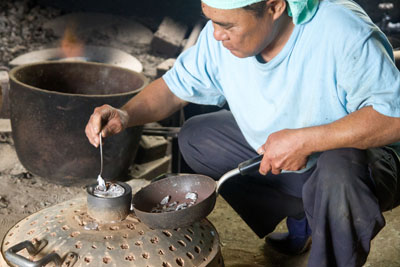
(220, 34)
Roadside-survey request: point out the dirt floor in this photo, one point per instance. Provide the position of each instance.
(241, 247)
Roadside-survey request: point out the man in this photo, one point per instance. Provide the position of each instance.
(314, 88)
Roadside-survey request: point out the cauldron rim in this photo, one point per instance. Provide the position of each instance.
(16, 69)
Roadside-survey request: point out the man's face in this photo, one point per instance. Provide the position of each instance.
(240, 31)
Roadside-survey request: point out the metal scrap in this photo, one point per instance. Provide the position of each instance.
(113, 190)
(166, 206)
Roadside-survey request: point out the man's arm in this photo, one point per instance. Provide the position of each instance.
(288, 149)
(362, 129)
(153, 103)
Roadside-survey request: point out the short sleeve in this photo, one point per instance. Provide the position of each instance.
(369, 77)
(194, 76)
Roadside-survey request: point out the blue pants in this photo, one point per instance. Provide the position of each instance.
(343, 196)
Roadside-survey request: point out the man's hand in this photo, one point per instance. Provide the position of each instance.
(284, 150)
(106, 119)
(155, 102)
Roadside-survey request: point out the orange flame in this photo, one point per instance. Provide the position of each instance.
(71, 46)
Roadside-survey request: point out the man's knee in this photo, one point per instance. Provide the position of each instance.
(194, 131)
(341, 187)
(196, 141)
(185, 134)
(340, 167)
(207, 133)
(212, 143)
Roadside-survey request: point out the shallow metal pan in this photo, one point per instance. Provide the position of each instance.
(177, 187)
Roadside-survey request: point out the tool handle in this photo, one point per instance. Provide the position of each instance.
(16, 259)
(251, 165)
(244, 168)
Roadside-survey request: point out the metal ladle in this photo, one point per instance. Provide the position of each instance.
(100, 180)
(103, 189)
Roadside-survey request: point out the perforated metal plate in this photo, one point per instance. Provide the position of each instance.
(126, 243)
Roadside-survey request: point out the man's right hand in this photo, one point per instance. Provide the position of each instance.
(106, 119)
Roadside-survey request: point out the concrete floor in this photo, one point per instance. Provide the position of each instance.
(241, 247)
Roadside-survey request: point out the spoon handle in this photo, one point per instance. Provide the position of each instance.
(101, 155)
(100, 180)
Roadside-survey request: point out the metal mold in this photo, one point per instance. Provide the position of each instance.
(105, 210)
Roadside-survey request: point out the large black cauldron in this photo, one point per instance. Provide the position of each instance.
(50, 104)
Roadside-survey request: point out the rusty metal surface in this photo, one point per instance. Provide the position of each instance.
(176, 187)
(126, 243)
(50, 104)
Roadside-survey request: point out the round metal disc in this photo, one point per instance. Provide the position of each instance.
(67, 228)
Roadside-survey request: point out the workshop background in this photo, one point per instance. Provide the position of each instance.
(144, 36)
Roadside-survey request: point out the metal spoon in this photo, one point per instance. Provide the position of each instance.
(101, 183)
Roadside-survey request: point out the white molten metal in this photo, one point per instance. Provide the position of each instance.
(113, 191)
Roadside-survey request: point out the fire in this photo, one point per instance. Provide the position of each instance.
(71, 46)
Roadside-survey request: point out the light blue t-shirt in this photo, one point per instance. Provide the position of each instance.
(331, 66)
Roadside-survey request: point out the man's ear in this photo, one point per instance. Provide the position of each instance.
(276, 7)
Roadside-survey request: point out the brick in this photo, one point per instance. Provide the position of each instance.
(151, 148)
(165, 66)
(168, 38)
(150, 170)
(5, 126)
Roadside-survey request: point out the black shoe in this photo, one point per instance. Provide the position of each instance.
(296, 241)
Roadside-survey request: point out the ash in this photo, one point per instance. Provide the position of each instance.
(21, 28)
(166, 206)
(113, 191)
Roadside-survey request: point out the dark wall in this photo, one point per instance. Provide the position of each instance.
(371, 7)
(377, 15)
(186, 11)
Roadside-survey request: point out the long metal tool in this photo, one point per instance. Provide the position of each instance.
(100, 180)
(243, 168)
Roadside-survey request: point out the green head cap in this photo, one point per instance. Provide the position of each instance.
(300, 10)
